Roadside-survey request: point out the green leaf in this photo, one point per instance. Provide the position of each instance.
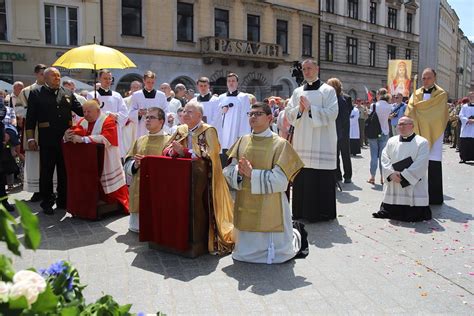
(6, 268)
(30, 224)
(70, 311)
(46, 302)
(124, 309)
(18, 303)
(7, 231)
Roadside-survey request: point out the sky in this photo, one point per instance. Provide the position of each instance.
(465, 11)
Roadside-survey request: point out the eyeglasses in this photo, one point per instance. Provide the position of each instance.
(151, 117)
(256, 114)
(188, 112)
(404, 124)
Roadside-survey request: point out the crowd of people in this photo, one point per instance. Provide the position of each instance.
(254, 149)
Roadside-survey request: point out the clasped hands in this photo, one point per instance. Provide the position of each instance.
(396, 177)
(245, 168)
(69, 136)
(304, 104)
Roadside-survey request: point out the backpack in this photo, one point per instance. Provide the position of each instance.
(372, 125)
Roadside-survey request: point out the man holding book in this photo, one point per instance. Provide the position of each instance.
(405, 167)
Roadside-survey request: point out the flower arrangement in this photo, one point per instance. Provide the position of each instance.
(55, 290)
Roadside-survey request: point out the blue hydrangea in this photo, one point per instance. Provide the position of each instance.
(56, 268)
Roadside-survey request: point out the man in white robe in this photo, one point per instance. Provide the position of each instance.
(466, 140)
(405, 167)
(312, 110)
(32, 160)
(146, 98)
(173, 104)
(209, 102)
(129, 130)
(234, 106)
(111, 103)
(261, 166)
(354, 132)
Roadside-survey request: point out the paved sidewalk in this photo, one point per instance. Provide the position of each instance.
(356, 265)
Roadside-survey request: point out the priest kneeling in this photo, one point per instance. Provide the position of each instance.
(405, 166)
(146, 145)
(261, 166)
(198, 140)
(99, 128)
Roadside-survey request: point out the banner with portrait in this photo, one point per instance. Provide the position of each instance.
(399, 77)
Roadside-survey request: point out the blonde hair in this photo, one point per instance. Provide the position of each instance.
(336, 84)
(383, 94)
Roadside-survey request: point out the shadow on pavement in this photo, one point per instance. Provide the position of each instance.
(265, 279)
(450, 213)
(167, 264)
(346, 198)
(425, 227)
(63, 232)
(326, 234)
(350, 187)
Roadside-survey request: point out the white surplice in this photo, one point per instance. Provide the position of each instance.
(260, 247)
(416, 194)
(354, 132)
(140, 102)
(212, 110)
(129, 130)
(315, 136)
(234, 123)
(467, 130)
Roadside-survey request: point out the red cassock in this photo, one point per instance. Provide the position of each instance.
(114, 188)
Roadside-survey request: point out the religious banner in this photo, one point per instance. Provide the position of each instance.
(399, 77)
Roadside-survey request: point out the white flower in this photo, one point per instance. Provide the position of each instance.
(4, 291)
(28, 284)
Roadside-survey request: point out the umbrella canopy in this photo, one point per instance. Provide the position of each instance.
(5, 86)
(93, 57)
(79, 84)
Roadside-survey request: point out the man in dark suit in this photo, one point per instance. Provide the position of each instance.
(50, 108)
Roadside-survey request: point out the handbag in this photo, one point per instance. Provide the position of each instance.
(372, 125)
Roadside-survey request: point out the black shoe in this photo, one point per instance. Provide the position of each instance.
(347, 181)
(10, 208)
(61, 205)
(36, 197)
(462, 161)
(48, 210)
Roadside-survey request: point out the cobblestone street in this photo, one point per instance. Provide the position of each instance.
(356, 265)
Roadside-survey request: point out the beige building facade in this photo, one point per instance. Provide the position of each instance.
(448, 43)
(38, 31)
(183, 40)
(358, 37)
(178, 40)
(464, 70)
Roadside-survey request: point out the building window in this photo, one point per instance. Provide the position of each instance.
(392, 18)
(352, 50)
(221, 23)
(185, 22)
(373, 12)
(6, 71)
(132, 17)
(372, 54)
(353, 8)
(330, 6)
(307, 40)
(409, 22)
(391, 52)
(60, 25)
(3, 21)
(253, 28)
(282, 35)
(329, 47)
(408, 53)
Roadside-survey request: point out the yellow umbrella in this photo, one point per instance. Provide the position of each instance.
(93, 57)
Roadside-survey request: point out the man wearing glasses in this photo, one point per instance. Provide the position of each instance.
(198, 140)
(261, 166)
(146, 145)
(405, 167)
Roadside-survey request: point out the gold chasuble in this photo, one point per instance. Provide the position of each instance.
(206, 146)
(262, 212)
(430, 116)
(147, 145)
